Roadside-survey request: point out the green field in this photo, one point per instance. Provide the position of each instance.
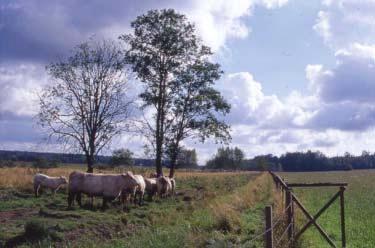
(210, 210)
(359, 207)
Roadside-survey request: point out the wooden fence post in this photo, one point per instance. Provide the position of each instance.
(268, 233)
(289, 208)
(342, 211)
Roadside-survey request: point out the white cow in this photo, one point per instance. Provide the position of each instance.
(108, 186)
(164, 186)
(53, 183)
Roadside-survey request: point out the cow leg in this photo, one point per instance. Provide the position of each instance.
(122, 198)
(79, 199)
(135, 197)
(70, 199)
(36, 189)
(151, 195)
(141, 195)
(55, 191)
(127, 198)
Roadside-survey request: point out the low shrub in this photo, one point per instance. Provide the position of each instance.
(35, 230)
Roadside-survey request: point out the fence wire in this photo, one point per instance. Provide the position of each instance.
(274, 224)
(278, 242)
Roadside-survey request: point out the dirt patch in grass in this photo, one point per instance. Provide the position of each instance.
(100, 233)
(15, 214)
(51, 214)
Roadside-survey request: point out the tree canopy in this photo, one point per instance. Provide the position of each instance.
(86, 105)
(168, 57)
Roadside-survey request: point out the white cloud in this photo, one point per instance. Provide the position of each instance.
(335, 116)
(353, 78)
(359, 50)
(220, 20)
(323, 26)
(217, 21)
(342, 22)
(251, 106)
(21, 79)
(19, 87)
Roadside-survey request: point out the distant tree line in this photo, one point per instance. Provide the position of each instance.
(226, 158)
(233, 159)
(120, 157)
(58, 157)
(10, 158)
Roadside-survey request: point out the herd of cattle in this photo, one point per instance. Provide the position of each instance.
(125, 187)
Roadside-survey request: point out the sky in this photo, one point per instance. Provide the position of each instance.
(300, 75)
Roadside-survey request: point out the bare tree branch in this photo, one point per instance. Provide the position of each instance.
(87, 104)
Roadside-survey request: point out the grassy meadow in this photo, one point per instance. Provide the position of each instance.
(210, 210)
(359, 207)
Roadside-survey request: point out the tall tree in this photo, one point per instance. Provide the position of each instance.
(87, 105)
(196, 106)
(163, 52)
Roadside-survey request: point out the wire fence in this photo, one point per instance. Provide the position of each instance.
(280, 240)
(278, 226)
(278, 234)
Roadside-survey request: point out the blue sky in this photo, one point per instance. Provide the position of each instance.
(299, 74)
(279, 46)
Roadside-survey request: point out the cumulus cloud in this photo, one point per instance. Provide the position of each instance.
(251, 106)
(345, 93)
(43, 29)
(335, 113)
(323, 26)
(351, 80)
(341, 22)
(20, 85)
(33, 33)
(338, 106)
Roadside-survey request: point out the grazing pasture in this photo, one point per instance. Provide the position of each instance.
(209, 210)
(359, 207)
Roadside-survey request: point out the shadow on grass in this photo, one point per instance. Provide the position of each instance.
(50, 214)
(35, 233)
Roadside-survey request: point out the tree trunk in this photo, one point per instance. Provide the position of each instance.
(159, 169)
(159, 146)
(172, 168)
(159, 129)
(90, 163)
(171, 171)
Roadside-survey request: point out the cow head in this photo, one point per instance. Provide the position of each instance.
(130, 177)
(63, 180)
